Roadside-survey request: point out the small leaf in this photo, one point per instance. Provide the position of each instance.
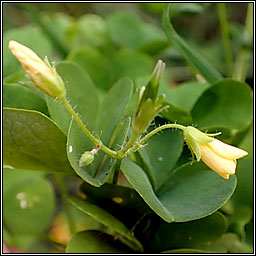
(32, 141)
(109, 220)
(92, 241)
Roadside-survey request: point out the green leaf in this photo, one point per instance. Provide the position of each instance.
(227, 104)
(18, 96)
(197, 196)
(38, 42)
(92, 29)
(28, 203)
(130, 63)
(32, 141)
(125, 29)
(110, 114)
(192, 234)
(191, 197)
(181, 100)
(112, 108)
(192, 56)
(81, 94)
(94, 63)
(108, 220)
(93, 241)
(163, 152)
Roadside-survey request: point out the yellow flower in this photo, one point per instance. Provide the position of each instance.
(43, 75)
(217, 155)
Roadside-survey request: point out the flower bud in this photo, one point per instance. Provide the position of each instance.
(43, 75)
(153, 85)
(86, 158)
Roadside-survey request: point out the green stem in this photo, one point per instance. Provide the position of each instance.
(225, 36)
(66, 204)
(241, 65)
(95, 140)
(129, 144)
(150, 134)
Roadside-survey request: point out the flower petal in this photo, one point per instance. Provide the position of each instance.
(222, 166)
(226, 151)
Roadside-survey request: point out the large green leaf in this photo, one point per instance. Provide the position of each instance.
(93, 241)
(227, 104)
(192, 234)
(18, 96)
(110, 114)
(192, 56)
(38, 42)
(28, 202)
(32, 141)
(161, 154)
(81, 94)
(109, 220)
(191, 197)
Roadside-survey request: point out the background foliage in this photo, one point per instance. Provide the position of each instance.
(103, 53)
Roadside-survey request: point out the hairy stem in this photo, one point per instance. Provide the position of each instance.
(150, 134)
(95, 140)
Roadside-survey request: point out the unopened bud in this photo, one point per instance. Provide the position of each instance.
(43, 75)
(86, 158)
(153, 85)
